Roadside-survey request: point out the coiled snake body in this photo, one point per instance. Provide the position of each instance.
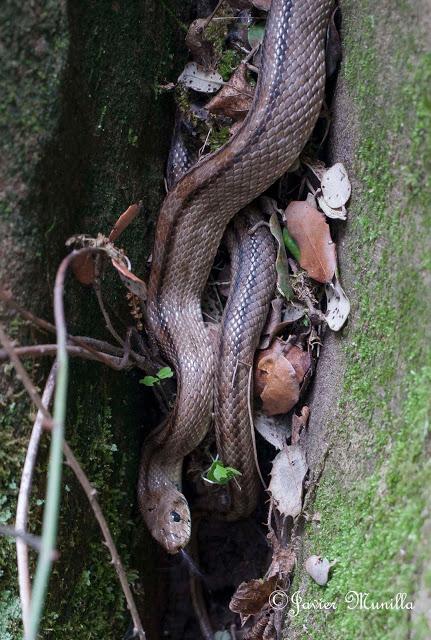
(191, 223)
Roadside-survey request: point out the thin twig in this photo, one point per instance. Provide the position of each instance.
(24, 498)
(28, 538)
(52, 501)
(41, 350)
(89, 490)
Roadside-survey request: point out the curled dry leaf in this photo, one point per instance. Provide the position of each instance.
(235, 98)
(278, 374)
(84, 268)
(273, 320)
(287, 477)
(132, 282)
(275, 380)
(123, 221)
(201, 49)
(196, 77)
(299, 423)
(283, 558)
(318, 568)
(251, 597)
(335, 185)
(273, 428)
(335, 214)
(308, 228)
(338, 305)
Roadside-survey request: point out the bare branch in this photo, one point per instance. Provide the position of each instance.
(41, 350)
(23, 502)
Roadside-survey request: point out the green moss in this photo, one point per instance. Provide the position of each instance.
(218, 137)
(371, 519)
(229, 61)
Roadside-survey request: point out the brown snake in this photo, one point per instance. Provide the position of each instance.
(191, 223)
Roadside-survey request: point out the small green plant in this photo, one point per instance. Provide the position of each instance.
(162, 374)
(219, 474)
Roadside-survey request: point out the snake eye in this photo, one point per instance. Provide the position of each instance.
(175, 517)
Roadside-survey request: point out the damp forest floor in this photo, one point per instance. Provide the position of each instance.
(85, 132)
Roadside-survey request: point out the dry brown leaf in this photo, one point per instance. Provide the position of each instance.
(275, 380)
(308, 228)
(272, 322)
(132, 282)
(235, 97)
(287, 477)
(123, 221)
(283, 559)
(299, 423)
(251, 597)
(201, 49)
(84, 268)
(300, 360)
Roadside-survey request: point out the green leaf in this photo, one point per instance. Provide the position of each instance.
(219, 474)
(291, 245)
(149, 381)
(165, 372)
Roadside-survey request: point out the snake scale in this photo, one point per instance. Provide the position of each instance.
(191, 223)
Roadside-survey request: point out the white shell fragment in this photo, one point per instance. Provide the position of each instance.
(196, 77)
(338, 305)
(318, 568)
(289, 469)
(336, 186)
(336, 214)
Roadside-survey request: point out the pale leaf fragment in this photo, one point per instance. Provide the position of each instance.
(338, 305)
(336, 214)
(273, 428)
(335, 185)
(197, 78)
(318, 568)
(289, 469)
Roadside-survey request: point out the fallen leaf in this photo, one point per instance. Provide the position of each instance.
(251, 597)
(293, 312)
(318, 568)
(289, 469)
(335, 185)
(276, 381)
(338, 305)
(299, 423)
(196, 77)
(201, 49)
(273, 428)
(336, 214)
(84, 268)
(283, 559)
(272, 322)
(308, 228)
(281, 264)
(132, 282)
(235, 97)
(123, 221)
(300, 360)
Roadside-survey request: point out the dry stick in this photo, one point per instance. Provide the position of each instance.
(23, 501)
(89, 344)
(85, 483)
(40, 350)
(28, 538)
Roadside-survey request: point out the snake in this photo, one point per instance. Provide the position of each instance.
(190, 226)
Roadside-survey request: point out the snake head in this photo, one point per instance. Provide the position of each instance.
(170, 522)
